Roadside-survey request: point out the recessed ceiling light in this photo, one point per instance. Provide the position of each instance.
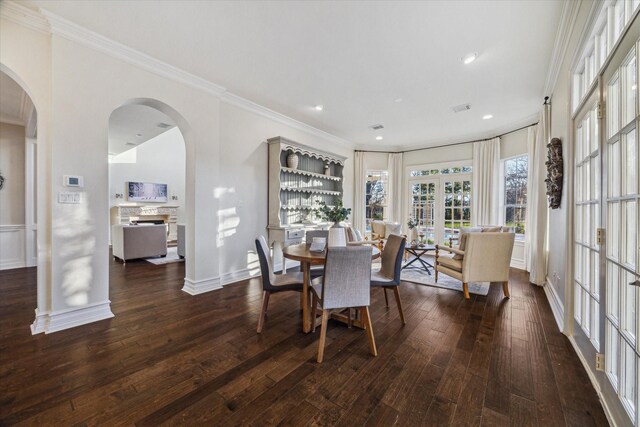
(319, 107)
(468, 59)
(487, 117)
(378, 138)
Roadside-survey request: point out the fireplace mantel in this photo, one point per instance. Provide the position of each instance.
(127, 213)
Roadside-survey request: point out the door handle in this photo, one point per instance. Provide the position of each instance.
(636, 283)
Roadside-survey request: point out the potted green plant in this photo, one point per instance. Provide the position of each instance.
(336, 213)
(412, 225)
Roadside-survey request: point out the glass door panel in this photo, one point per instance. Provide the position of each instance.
(424, 194)
(622, 233)
(457, 205)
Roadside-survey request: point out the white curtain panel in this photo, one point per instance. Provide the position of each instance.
(360, 182)
(394, 202)
(485, 207)
(536, 217)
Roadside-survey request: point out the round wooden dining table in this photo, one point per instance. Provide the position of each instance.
(307, 258)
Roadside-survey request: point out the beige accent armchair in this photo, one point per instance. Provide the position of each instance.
(381, 230)
(138, 241)
(485, 258)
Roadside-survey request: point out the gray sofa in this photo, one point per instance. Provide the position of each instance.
(138, 241)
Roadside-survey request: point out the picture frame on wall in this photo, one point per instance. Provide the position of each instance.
(147, 192)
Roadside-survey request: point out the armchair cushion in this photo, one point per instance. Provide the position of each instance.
(392, 228)
(377, 227)
(450, 261)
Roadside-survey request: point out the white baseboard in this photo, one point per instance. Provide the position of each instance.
(70, 318)
(557, 308)
(238, 276)
(518, 263)
(594, 382)
(196, 287)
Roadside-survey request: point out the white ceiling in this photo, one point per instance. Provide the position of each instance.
(129, 121)
(15, 104)
(354, 58)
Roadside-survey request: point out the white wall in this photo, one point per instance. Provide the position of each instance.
(161, 159)
(12, 197)
(242, 188)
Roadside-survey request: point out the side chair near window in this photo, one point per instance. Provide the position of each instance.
(345, 284)
(391, 266)
(271, 282)
(481, 257)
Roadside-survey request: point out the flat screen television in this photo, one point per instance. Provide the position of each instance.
(147, 192)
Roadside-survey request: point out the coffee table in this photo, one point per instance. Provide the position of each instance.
(418, 251)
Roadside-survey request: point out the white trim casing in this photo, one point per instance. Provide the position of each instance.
(197, 287)
(70, 318)
(568, 18)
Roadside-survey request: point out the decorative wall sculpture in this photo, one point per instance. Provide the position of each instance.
(554, 173)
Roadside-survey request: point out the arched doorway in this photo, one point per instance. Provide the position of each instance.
(18, 186)
(148, 168)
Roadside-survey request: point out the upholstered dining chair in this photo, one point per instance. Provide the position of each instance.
(316, 270)
(345, 284)
(485, 257)
(272, 282)
(391, 266)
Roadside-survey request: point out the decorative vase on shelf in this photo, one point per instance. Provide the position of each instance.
(413, 235)
(327, 171)
(292, 161)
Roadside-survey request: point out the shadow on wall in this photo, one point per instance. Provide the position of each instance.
(75, 230)
(228, 219)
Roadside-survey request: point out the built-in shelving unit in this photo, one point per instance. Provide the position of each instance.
(295, 192)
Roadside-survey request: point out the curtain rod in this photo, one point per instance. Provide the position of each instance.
(448, 145)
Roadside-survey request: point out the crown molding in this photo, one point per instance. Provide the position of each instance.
(70, 31)
(568, 18)
(585, 34)
(245, 104)
(24, 16)
(54, 24)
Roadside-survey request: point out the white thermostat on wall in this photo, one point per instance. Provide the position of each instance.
(72, 181)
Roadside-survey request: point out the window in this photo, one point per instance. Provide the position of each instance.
(376, 196)
(515, 192)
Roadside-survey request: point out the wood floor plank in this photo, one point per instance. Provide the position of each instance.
(168, 358)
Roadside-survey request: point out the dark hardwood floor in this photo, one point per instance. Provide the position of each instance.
(171, 358)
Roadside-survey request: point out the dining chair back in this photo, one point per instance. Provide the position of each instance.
(347, 274)
(391, 267)
(273, 282)
(345, 284)
(266, 268)
(310, 234)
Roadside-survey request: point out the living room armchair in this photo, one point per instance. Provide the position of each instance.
(485, 257)
(381, 230)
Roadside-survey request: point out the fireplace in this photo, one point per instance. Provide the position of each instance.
(125, 214)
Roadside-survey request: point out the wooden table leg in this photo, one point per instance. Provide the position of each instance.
(306, 324)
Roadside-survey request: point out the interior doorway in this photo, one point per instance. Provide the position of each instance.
(18, 165)
(147, 177)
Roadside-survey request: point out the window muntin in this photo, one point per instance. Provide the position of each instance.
(376, 192)
(515, 193)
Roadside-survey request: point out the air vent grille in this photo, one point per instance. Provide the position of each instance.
(462, 107)
(376, 127)
(164, 125)
(131, 144)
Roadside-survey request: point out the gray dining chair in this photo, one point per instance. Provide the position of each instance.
(316, 270)
(391, 266)
(345, 284)
(271, 282)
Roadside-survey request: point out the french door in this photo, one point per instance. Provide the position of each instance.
(606, 256)
(441, 205)
(622, 321)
